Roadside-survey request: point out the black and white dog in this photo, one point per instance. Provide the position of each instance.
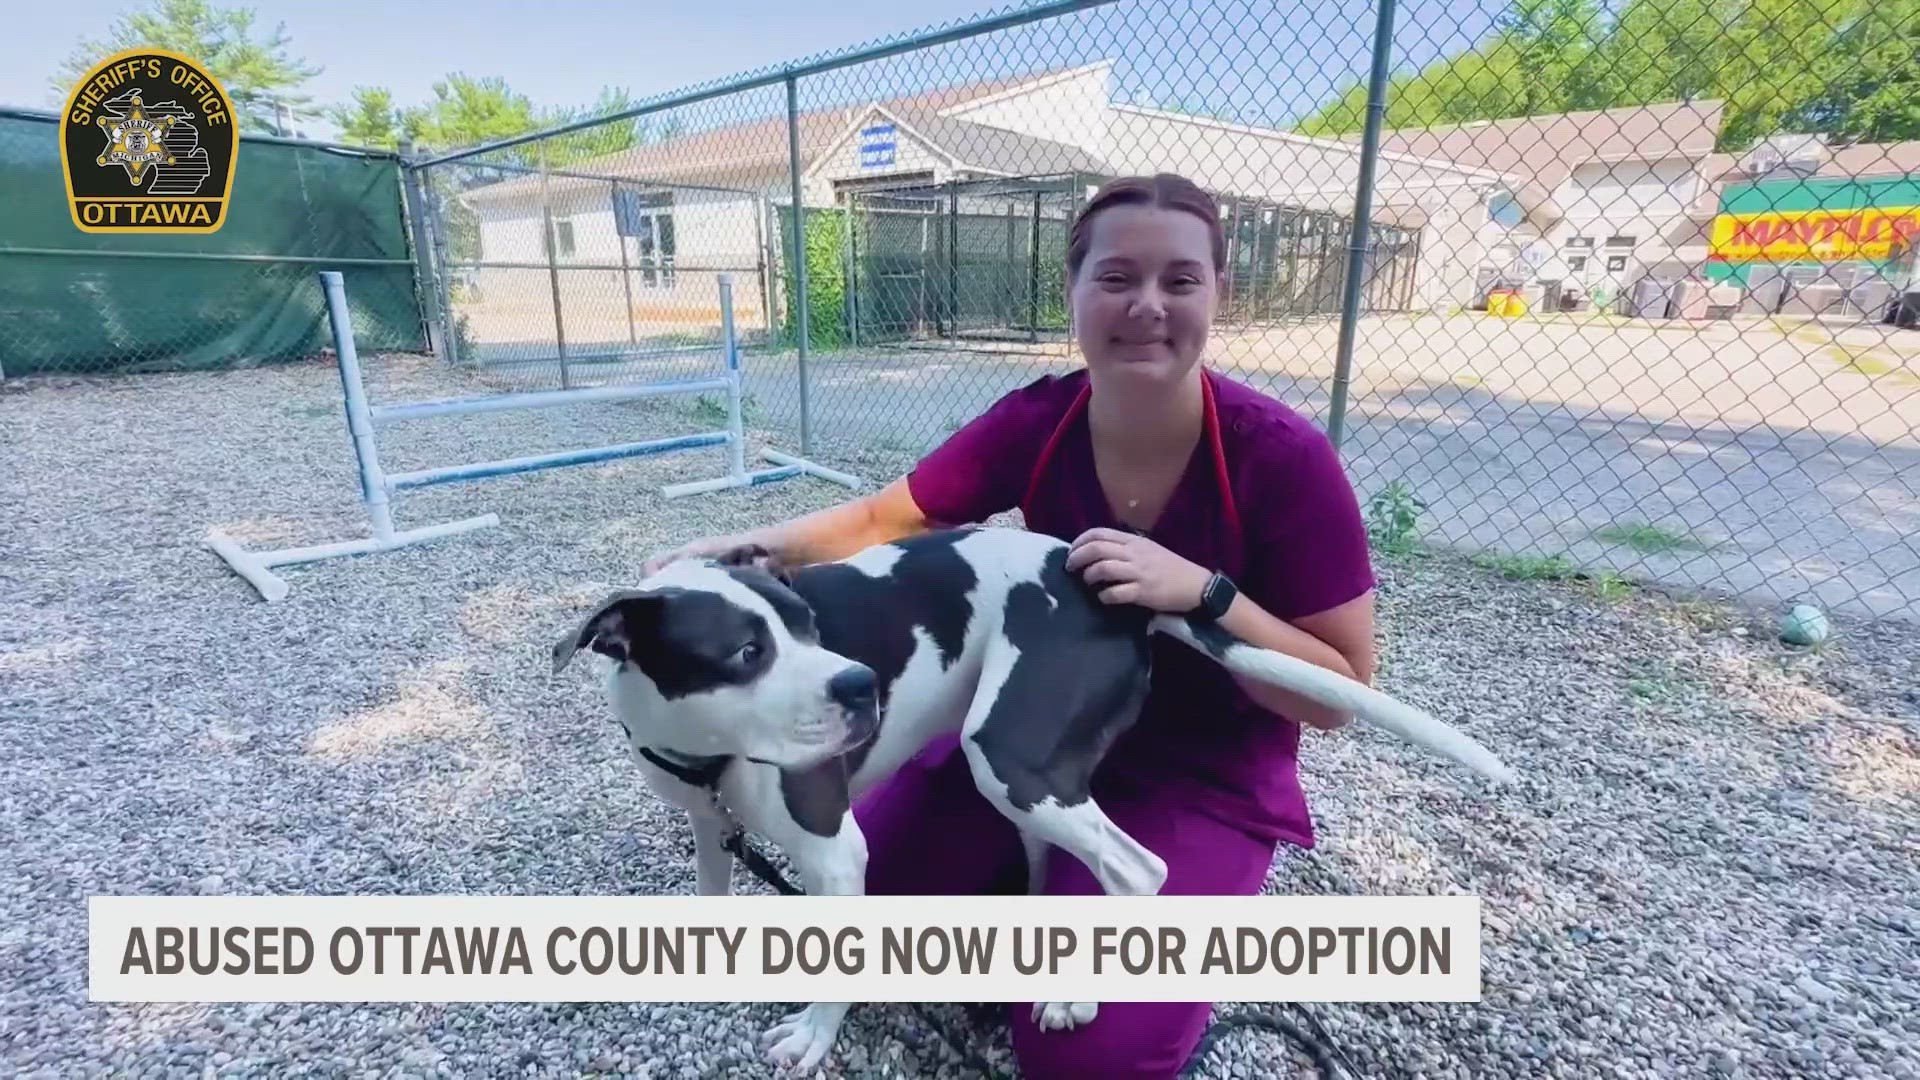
(779, 697)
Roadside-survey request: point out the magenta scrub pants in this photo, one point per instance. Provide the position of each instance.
(930, 833)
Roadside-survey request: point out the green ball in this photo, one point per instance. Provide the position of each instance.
(1804, 625)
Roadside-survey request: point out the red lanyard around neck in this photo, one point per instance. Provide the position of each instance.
(1210, 420)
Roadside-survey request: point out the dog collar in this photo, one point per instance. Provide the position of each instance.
(699, 771)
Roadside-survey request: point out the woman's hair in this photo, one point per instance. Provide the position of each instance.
(1164, 190)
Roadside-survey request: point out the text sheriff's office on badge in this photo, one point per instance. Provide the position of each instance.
(148, 145)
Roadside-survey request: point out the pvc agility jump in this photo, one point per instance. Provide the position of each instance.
(377, 487)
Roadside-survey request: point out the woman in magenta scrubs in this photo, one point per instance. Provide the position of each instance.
(1162, 474)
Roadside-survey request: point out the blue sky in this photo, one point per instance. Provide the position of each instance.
(1257, 61)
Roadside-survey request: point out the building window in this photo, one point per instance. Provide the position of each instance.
(1620, 241)
(1577, 263)
(563, 239)
(1582, 242)
(1616, 263)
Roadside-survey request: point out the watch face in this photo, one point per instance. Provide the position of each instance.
(1218, 596)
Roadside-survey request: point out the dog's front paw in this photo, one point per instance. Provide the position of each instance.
(1063, 1015)
(801, 1040)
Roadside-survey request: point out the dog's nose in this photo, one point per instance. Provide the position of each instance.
(853, 688)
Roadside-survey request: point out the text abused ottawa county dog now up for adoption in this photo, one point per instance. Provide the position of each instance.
(700, 950)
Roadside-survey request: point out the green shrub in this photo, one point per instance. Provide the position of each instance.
(826, 250)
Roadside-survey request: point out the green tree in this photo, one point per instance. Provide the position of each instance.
(258, 74)
(1870, 77)
(1539, 60)
(599, 139)
(1846, 67)
(467, 110)
(370, 121)
(1664, 50)
(1771, 66)
(1551, 45)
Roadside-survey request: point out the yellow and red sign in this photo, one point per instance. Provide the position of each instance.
(1875, 232)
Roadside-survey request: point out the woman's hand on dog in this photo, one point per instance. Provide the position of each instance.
(707, 547)
(1139, 571)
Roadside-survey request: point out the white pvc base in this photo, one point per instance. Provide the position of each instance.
(257, 566)
(789, 467)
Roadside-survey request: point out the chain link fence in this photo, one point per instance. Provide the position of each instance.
(74, 303)
(1633, 290)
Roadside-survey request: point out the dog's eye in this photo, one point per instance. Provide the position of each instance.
(748, 653)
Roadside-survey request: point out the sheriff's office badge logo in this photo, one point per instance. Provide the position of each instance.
(148, 144)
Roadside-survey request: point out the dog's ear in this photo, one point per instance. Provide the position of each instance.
(611, 628)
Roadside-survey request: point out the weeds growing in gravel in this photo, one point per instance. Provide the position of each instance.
(1556, 567)
(1393, 518)
(895, 444)
(711, 410)
(1605, 585)
(1646, 539)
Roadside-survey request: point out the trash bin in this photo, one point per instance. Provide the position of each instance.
(1904, 312)
(1689, 299)
(1506, 303)
(1647, 299)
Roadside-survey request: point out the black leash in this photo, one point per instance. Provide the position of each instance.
(705, 772)
(736, 842)
(1318, 1044)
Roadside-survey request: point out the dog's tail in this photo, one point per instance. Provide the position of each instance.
(1335, 691)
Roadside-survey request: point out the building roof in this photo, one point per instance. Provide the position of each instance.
(739, 155)
(1862, 160)
(1544, 150)
(998, 149)
(1856, 161)
(1541, 144)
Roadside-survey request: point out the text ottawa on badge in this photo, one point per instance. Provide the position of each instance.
(148, 144)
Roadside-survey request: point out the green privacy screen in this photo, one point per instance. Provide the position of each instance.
(76, 303)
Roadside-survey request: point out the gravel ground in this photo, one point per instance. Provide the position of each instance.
(1710, 868)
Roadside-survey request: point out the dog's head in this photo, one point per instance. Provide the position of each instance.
(722, 657)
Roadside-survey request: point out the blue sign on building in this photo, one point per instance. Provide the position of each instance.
(877, 146)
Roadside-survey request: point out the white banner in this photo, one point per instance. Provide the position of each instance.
(784, 948)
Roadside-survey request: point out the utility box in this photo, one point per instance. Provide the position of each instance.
(1689, 299)
(1647, 299)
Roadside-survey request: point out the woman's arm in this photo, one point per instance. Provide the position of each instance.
(979, 471)
(1132, 569)
(1339, 639)
(822, 536)
(839, 531)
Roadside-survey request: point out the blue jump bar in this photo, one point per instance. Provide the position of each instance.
(768, 476)
(414, 410)
(510, 466)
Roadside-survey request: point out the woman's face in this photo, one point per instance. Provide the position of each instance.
(1145, 295)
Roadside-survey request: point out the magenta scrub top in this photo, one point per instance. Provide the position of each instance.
(1264, 499)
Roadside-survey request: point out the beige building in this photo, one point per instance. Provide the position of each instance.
(1600, 198)
(646, 230)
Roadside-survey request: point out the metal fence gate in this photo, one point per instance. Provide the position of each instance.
(965, 260)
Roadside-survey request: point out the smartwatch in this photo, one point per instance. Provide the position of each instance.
(1216, 598)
